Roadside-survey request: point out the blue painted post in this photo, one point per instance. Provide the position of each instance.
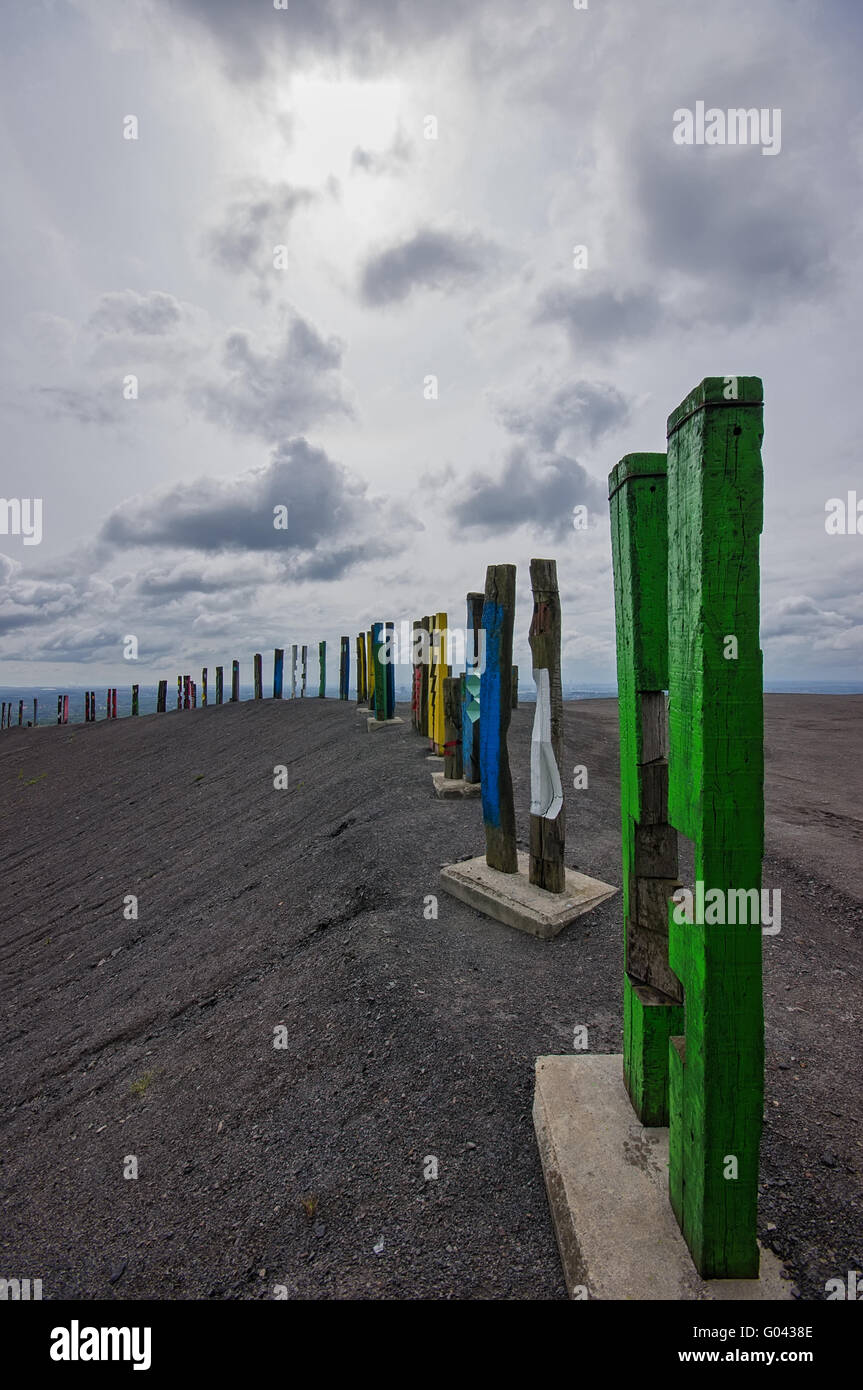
(235, 681)
(278, 672)
(470, 697)
(498, 806)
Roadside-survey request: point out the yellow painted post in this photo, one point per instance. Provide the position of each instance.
(439, 671)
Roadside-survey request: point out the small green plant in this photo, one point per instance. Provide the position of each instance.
(139, 1087)
(310, 1206)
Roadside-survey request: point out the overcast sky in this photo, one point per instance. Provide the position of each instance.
(299, 376)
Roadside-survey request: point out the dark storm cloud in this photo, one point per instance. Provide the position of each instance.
(600, 318)
(432, 260)
(280, 390)
(328, 508)
(534, 491)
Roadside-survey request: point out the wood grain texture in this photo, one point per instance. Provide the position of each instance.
(547, 836)
(716, 798)
(498, 807)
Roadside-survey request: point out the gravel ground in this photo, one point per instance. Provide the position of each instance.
(406, 1038)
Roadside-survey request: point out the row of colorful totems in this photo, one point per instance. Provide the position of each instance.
(685, 537)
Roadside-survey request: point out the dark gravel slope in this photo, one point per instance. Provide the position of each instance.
(405, 1037)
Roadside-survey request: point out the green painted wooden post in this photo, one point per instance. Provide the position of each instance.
(322, 658)
(220, 684)
(716, 797)
(134, 699)
(652, 1009)
(203, 685)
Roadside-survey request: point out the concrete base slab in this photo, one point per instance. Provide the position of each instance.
(607, 1182)
(446, 787)
(372, 723)
(514, 900)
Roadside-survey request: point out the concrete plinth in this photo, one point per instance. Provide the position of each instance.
(372, 723)
(454, 786)
(607, 1182)
(513, 899)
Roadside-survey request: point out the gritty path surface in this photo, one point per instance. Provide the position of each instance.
(405, 1037)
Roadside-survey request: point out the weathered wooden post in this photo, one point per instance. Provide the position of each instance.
(305, 661)
(652, 1007)
(194, 694)
(20, 713)
(294, 671)
(220, 684)
(59, 710)
(278, 672)
(203, 685)
(716, 798)
(114, 703)
(86, 707)
(498, 808)
(370, 668)
(3, 714)
(439, 672)
(322, 659)
(162, 697)
(452, 769)
(35, 713)
(235, 681)
(515, 687)
(389, 632)
(547, 813)
(423, 724)
(258, 670)
(179, 692)
(380, 673)
(187, 692)
(361, 669)
(344, 668)
(471, 689)
(416, 671)
(134, 699)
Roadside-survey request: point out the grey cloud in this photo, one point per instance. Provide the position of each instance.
(277, 391)
(257, 37)
(126, 311)
(600, 318)
(391, 161)
(253, 225)
(88, 407)
(581, 410)
(540, 492)
(430, 259)
(326, 504)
